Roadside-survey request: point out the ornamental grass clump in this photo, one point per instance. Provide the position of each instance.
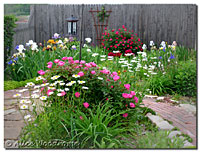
(122, 40)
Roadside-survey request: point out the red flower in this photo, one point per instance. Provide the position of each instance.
(138, 40)
(116, 32)
(128, 51)
(136, 48)
(123, 26)
(127, 45)
(116, 41)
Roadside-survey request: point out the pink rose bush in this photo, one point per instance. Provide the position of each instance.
(73, 83)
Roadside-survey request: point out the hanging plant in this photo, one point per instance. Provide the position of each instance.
(102, 15)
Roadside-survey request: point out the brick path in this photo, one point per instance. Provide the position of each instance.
(181, 119)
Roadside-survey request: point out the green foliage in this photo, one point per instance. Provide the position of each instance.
(102, 15)
(10, 85)
(158, 140)
(97, 130)
(160, 85)
(17, 9)
(185, 80)
(9, 25)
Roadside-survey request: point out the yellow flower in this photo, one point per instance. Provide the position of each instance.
(44, 48)
(119, 72)
(13, 63)
(48, 46)
(51, 41)
(54, 48)
(132, 76)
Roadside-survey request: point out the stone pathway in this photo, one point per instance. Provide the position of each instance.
(181, 118)
(13, 119)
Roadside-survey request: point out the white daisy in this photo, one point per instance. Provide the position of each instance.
(60, 90)
(86, 88)
(35, 96)
(23, 90)
(30, 84)
(17, 95)
(100, 78)
(66, 89)
(69, 84)
(27, 116)
(23, 107)
(76, 76)
(45, 84)
(43, 98)
(39, 78)
(36, 91)
(81, 82)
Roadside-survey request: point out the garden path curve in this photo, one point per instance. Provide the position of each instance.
(180, 118)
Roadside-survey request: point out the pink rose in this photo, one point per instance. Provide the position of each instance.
(81, 74)
(82, 62)
(126, 95)
(85, 68)
(77, 94)
(50, 63)
(76, 61)
(93, 72)
(63, 93)
(70, 58)
(61, 63)
(133, 93)
(132, 105)
(41, 72)
(136, 99)
(86, 105)
(56, 60)
(116, 77)
(125, 115)
(81, 117)
(114, 73)
(49, 92)
(65, 58)
(49, 66)
(127, 86)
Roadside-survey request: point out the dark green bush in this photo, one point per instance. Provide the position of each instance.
(181, 79)
(9, 25)
(185, 80)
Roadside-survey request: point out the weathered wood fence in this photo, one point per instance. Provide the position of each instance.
(157, 22)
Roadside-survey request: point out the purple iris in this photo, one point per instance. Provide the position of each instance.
(160, 57)
(15, 59)
(172, 57)
(10, 62)
(71, 38)
(17, 47)
(164, 50)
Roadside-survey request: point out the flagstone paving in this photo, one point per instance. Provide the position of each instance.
(180, 116)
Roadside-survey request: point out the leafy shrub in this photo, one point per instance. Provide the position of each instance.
(9, 25)
(161, 85)
(185, 79)
(121, 40)
(158, 140)
(9, 85)
(86, 84)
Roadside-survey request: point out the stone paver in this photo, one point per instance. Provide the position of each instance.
(181, 118)
(189, 108)
(164, 125)
(174, 134)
